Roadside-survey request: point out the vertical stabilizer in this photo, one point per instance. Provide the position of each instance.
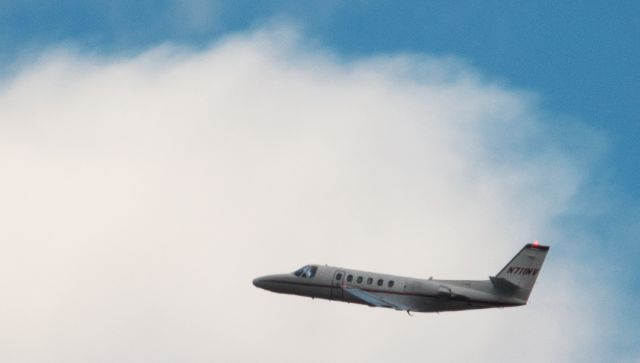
(520, 274)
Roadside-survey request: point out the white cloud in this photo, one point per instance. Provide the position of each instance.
(142, 195)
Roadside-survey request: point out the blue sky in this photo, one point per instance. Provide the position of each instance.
(580, 58)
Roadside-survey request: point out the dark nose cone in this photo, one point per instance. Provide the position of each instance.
(258, 282)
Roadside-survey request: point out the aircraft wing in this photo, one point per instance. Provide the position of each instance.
(373, 299)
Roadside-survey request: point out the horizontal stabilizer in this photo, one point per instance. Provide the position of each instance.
(503, 284)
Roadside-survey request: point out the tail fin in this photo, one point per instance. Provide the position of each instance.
(519, 275)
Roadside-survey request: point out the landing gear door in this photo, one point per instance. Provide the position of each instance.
(336, 284)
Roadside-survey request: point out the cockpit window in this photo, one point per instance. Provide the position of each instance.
(308, 271)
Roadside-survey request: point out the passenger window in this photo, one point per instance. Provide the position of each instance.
(390, 283)
(369, 281)
(349, 278)
(380, 282)
(339, 276)
(359, 279)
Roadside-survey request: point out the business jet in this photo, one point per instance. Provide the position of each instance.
(510, 287)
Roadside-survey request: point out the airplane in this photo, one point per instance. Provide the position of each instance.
(510, 287)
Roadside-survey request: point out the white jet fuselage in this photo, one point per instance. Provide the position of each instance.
(510, 287)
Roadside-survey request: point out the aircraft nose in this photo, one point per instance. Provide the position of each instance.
(259, 282)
